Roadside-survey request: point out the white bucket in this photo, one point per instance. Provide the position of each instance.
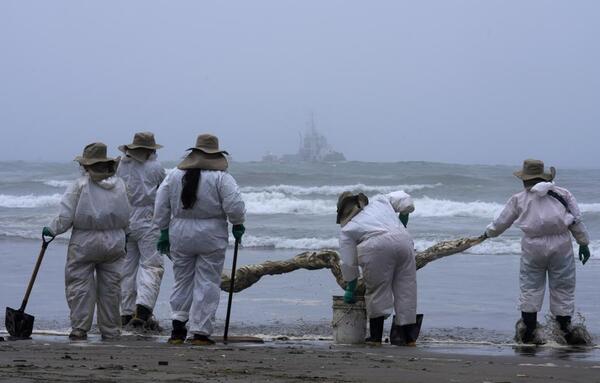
(349, 321)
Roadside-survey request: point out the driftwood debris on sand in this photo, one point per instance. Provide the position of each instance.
(248, 275)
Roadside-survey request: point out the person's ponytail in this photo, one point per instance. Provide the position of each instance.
(189, 192)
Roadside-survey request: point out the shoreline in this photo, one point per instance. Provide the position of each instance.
(50, 360)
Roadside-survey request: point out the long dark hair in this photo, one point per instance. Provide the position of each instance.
(190, 182)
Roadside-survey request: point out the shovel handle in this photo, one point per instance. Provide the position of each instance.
(231, 287)
(45, 243)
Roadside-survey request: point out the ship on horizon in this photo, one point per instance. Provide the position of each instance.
(313, 148)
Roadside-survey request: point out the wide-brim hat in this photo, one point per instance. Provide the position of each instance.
(533, 169)
(208, 143)
(94, 153)
(349, 205)
(197, 159)
(141, 140)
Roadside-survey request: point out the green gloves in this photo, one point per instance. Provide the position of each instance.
(163, 244)
(238, 232)
(46, 232)
(584, 253)
(403, 218)
(349, 294)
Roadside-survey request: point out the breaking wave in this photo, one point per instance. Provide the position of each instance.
(272, 202)
(29, 200)
(429, 207)
(499, 246)
(279, 203)
(334, 190)
(289, 243)
(291, 202)
(589, 207)
(58, 183)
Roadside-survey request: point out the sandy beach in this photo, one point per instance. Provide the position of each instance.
(46, 359)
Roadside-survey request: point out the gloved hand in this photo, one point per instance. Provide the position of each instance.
(349, 294)
(483, 236)
(163, 245)
(584, 253)
(46, 232)
(238, 231)
(403, 218)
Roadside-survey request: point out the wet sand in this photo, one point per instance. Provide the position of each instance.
(51, 360)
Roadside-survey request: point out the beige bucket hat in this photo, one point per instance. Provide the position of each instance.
(349, 205)
(535, 169)
(93, 154)
(205, 155)
(143, 140)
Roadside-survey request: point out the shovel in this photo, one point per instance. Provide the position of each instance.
(18, 323)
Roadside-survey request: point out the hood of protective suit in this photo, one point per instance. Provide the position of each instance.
(105, 183)
(98, 177)
(401, 202)
(138, 155)
(542, 188)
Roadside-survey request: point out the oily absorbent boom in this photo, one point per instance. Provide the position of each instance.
(248, 275)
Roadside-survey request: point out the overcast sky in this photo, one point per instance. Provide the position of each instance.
(454, 81)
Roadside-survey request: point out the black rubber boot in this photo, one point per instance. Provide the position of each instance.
(125, 319)
(78, 334)
(375, 330)
(406, 335)
(530, 322)
(141, 316)
(179, 332)
(564, 321)
(412, 331)
(143, 319)
(574, 335)
(202, 340)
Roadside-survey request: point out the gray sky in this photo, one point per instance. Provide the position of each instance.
(453, 81)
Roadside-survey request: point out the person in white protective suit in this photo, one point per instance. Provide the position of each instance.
(96, 208)
(547, 215)
(143, 265)
(193, 205)
(373, 237)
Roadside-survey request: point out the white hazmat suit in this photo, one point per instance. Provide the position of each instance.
(198, 238)
(143, 266)
(376, 240)
(98, 212)
(546, 245)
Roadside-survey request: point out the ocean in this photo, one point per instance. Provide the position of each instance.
(470, 297)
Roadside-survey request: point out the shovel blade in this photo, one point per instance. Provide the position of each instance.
(18, 324)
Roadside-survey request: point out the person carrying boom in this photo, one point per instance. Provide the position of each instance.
(547, 215)
(373, 238)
